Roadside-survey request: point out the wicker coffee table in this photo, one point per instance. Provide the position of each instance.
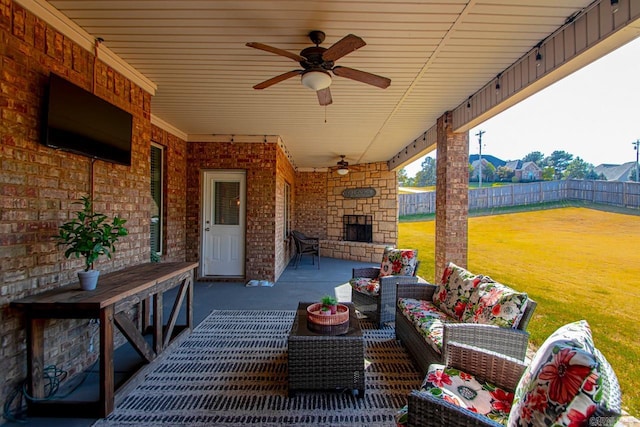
(326, 358)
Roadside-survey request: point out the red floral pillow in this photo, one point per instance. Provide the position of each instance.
(493, 303)
(562, 386)
(455, 290)
(398, 262)
(365, 285)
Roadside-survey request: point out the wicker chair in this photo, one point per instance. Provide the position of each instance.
(425, 409)
(306, 245)
(380, 308)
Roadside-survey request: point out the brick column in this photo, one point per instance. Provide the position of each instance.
(452, 195)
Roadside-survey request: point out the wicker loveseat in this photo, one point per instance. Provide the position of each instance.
(567, 383)
(467, 308)
(374, 288)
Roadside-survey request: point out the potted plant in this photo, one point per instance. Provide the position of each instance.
(331, 303)
(90, 235)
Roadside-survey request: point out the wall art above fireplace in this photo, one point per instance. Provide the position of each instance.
(359, 193)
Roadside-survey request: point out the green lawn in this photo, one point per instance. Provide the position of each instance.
(577, 263)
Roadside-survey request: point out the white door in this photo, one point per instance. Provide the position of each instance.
(223, 223)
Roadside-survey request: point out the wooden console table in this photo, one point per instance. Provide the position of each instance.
(141, 285)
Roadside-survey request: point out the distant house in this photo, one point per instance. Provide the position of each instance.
(476, 168)
(525, 171)
(616, 172)
(474, 161)
(496, 162)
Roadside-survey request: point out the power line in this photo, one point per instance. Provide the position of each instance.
(479, 135)
(636, 146)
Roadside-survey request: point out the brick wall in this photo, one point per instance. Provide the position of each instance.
(284, 247)
(311, 203)
(175, 193)
(38, 185)
(320, 207)
(259, 162)
(452, 196)
(318, 204)
(383, 207)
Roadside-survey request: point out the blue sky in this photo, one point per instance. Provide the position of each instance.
(593, 114)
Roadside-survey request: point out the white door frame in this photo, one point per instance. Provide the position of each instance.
(207, 222)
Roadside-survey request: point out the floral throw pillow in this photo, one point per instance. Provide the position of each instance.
(466, 391)
(562, 386)
(365, 285)
(608, 404)
(398, 262)
(455, 290)
(495, 304)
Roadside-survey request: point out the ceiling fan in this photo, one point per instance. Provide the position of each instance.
(343, 166)
(317, 61)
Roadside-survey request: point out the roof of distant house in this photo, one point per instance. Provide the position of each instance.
(610, 171)
(615, 172)
(489, 158)
(513, 164)
(529, 165)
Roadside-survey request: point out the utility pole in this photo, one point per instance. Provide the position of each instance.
(636, 146)
(479, 135)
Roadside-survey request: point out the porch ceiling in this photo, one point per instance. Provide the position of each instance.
(437, 54)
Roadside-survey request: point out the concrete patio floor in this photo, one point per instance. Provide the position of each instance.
(306, 283)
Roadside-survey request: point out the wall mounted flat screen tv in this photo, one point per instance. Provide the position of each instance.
(78, 121)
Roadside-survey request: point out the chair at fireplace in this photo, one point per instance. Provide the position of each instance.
(373, 289)
(306, 245)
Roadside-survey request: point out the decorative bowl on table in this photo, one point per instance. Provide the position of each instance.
(314, 315)
(328, 329)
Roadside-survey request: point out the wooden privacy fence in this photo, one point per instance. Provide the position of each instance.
(623, 194)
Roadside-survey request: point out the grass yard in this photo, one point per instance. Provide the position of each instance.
(577, 263)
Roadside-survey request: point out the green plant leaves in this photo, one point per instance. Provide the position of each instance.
(90, 234)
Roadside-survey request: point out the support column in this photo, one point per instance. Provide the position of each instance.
(452, 195)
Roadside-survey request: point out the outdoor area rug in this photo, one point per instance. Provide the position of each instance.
(232, 371)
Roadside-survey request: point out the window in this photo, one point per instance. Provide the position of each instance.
(287, 210)
(227, 199)
(157, 211)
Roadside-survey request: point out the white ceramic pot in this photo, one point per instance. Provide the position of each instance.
(88, 279)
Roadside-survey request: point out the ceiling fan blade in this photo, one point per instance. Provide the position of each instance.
(276, 50)
(342, 47)
(277, 79)
(324, 96)
(362, 76)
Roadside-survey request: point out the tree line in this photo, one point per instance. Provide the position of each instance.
(556, 166)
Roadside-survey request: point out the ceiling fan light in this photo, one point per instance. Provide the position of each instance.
(343, 166)
(316, 80)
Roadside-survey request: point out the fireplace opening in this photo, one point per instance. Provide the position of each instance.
(358, 228)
